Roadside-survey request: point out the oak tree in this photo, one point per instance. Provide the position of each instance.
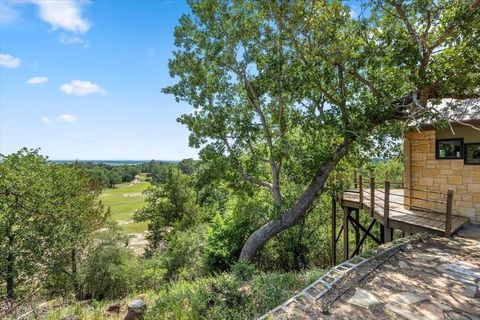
(284, 90)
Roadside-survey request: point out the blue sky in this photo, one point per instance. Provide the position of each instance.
(82, 79)
(105, 64)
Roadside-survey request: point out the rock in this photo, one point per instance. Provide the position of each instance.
(456, 316)
(402, 311)
(186, 303)
(406, 298)
(444, 307)
(477, 288)
(363, 298)
(73, 317)
(142, 296)
(48, 304)
(389, 266)
(136, 304)
(135, 310)
(403, 265)
(430, 311)
(114, 307)
(245, 289)
(133, 314)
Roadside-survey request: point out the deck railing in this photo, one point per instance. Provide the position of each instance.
(444, 199)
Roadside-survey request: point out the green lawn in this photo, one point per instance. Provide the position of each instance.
(123, 201)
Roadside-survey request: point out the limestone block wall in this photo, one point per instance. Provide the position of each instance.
(424, 172)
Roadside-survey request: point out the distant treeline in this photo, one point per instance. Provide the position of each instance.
(108, 175)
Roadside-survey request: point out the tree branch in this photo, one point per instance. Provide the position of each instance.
(242, 171)
(403, 16)
(366, 82)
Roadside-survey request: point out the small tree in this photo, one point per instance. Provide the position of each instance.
(48, 213)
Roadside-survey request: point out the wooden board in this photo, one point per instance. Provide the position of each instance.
(409, 220)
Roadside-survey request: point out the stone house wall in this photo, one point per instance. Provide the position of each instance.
(424, 172)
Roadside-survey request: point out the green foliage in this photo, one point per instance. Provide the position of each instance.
(187, 166)
(105, 175)
(53, 204)
(109, 271)
(157, 171)
(183, 258)
(244, 270)
(227, 233)
(228, 297)
(171, 205)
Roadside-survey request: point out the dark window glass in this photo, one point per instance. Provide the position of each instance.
(450, 149)
(472, 153)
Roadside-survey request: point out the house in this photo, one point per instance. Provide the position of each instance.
(448, 158)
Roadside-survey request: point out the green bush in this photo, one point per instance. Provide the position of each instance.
(227, 296)
(227, 234)
(244, 270)
(182, 258)
(109, 271)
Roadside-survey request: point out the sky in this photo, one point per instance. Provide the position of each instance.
(82, 79)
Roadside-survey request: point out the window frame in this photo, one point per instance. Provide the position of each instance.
(465, 153)
(437, 149)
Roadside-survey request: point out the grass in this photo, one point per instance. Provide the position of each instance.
(214, 298)
(123, 201)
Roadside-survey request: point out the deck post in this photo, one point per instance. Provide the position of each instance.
(355, 185)
(357, 229)
(448, 219)
(372, 194)
(334, 229)
(360, 190)
(386, 213)
(346, 213)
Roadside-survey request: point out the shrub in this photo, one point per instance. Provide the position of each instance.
(227, 234)
(243, 270)
(109, 271)
(182, 258)
(227, 296)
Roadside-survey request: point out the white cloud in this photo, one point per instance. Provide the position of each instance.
(9, 61)
(64, 14)
(67, 118)
(82, 88)
(45, 120)
(36, 80)
(73, 40)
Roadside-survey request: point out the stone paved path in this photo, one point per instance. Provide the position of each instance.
(432, 278)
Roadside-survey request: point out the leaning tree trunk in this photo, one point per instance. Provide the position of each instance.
(295, 214)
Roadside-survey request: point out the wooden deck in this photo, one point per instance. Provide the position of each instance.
(408, 220)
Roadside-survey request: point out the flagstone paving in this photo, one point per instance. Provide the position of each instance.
(428, 278)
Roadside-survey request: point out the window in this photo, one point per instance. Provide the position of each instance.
(450, 149)
(472, 153)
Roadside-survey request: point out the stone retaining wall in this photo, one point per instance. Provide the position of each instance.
(314, 292)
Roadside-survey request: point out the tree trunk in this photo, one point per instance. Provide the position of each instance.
(295, 214)
(76, 286)
(299, 248)
(10, 266)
